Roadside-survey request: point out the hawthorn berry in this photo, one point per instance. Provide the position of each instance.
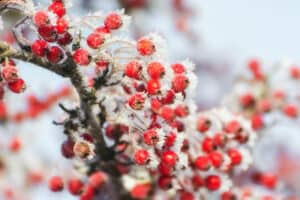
(203, 124)
(290, 110)
(197, 181)
(155, 105)
(155, 70)
(216, 159)
(181, 110)
(81, 57)
(15, 144)
(75, 186)
(169, 97)
(164, 182)
(56, 184)
(57, 8)
(164, 170)
(186, 196)
(178, 68)
(95, 40)
(233, 126)
(136, 101)
(9, 73)
(295, 72)
(17, 86)
(153, 86)
(64, 39)
(41, 18)
(113, 21)
(202, 163)
(235, 156)
(145, 47)
(170, 139)
(169, 158)
(180, 83)
(257, 122)
(39, 48)
(61, 25)
(247, 100)
(67, 148)
(97, 179)
(213, 182)
(102, 30)
(141, 157)
(133, 70)
(167, 113)
(48, 33)
(55, 54)
(150, 137)
(208, 145)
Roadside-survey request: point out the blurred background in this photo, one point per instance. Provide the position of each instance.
(218, 36)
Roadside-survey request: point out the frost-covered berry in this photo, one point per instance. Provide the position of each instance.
(64, 39)
(57, 8)
(97, 179)
(56, 184)
(153, 86)
(180, 83)
(81, 57)
(178, 68)
(113, 21)
(169, 158)
(133, 70)
(203, 124)
(208, 145)
(75, 186)
(95, 40)
(235, 156)
(167, 113)
(295, 72)
(290, 110)
(67, 148)
(55, 54)
(141, 157)
(213, 182)
(145, 47)
(202, 163)
(216, 159)
(17, 86)
(136, 101)
(155, 70)
(48, 33)
(9, 73)
(15, 144)
(61, 25)
(39, 48)
(41, 18)
(150, 137)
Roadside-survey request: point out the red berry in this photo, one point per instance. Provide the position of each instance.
(141, 191)
(61, 25)
(179, 83)
(9, 73)
(75, 186)
(153, 86)
(247, 100)
(82, 57)
(202, 163)
(167, 113)
(3, 110)
(88, 193)
(136, 101)
(67, 148)
(48, 33)
(178, 68)
(169, 158)
(95, 40)
(15, 144)
(145, 47)
(197, 181)
(57, 8)
(133, 70)
(268, 180)
(233, 126)
(40, 18)
(155, 105)
(235, 156)
(203, 124)
(165, 169)
(97, 179)
(290, 110)
(113, 21)
(254, 65)
(17, 86)
(56, 184)
(141, 157)
(228, 196)
(295, 72)
(208, 145)
(264, 105)
(155, 70)
(216, 159)
(150, 137)
(181, 110)
(65, 39)
(55, 54)
(39, 47)
(213, 182)
(165, 182)
(186, 196)
(257, 122)
(170, 139)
